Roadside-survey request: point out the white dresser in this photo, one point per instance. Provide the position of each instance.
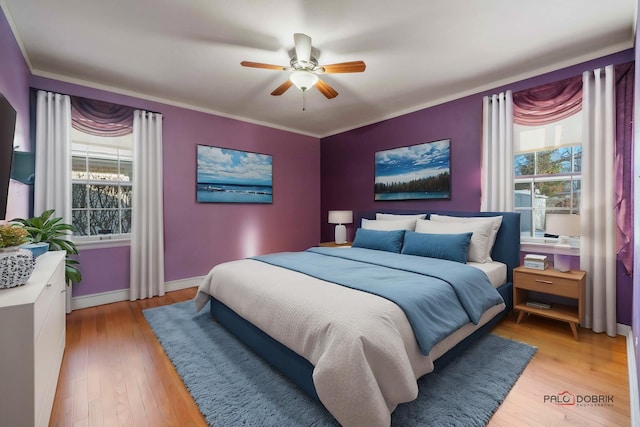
(32, 339)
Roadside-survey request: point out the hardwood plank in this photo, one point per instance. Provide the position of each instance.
(113, 357)
(595, 364)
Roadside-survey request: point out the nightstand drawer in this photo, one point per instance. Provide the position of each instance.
(554, 285)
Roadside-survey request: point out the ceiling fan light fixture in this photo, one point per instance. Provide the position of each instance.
(303, 79)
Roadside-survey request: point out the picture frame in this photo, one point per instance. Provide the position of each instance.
(414, 172)
(226, 175)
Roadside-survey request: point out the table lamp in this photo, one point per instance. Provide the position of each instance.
(340, 218)
(563, 226)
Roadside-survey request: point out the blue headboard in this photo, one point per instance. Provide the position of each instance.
(507, 246)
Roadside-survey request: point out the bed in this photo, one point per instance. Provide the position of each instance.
(360, 351)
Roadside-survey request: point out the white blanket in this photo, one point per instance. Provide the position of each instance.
(365, 355)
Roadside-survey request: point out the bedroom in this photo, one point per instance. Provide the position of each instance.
(326, 170)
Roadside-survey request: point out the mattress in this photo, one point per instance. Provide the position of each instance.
(495, 271)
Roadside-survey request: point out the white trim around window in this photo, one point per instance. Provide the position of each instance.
(548, 246)
(94, 242)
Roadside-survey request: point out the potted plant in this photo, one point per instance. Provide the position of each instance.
(12, 235)
(16, 265)
(44, 228)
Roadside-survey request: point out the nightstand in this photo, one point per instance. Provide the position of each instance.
(568, 284)
(335, 245)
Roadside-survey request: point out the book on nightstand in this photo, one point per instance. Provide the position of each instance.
(538, 262)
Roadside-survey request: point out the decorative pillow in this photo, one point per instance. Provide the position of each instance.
(453, 247)
(396, 224)
(496, 221)
(479, 247)
(390, 241)
(385, 216)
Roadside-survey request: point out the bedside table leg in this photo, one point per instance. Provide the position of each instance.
(520, 316)
(574, 330)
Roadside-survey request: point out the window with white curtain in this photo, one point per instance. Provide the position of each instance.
(547, 172)
(102, 177)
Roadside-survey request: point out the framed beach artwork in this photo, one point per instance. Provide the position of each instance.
(420, 171)
(233, 176)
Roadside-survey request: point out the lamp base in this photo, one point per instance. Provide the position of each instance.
(341, 234)
(562, 262)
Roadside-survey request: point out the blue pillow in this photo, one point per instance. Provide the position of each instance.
(390, 241)
(453, 247)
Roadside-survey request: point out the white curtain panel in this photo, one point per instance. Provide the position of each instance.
(147, 238)
(497, 153)
(52, 187)
(597, 200)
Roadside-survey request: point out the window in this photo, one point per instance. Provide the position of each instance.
(102, 175)
(547, 172)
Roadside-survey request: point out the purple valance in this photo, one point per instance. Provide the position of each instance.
(548, 103)
(101, 118)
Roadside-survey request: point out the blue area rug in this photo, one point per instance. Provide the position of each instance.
(234, 387)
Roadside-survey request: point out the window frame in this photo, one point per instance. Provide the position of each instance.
(86, 141)
(572, 177)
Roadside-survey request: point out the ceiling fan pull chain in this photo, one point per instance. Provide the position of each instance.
(304, 100)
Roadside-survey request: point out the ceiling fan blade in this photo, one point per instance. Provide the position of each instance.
(325, 89)
(302, 46)
(282, 88)
(261, 65)
(345, 67)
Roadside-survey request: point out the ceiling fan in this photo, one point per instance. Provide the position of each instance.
(304, 69)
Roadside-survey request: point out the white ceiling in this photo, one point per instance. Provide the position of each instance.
(418, 52)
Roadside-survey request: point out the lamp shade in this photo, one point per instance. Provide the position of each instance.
(340, 217)
(303, 79)
(563, 225)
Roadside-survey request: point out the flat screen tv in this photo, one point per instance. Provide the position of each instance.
(7, 131)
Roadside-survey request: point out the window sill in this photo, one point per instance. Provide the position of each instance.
(548, 248)
(101, 244)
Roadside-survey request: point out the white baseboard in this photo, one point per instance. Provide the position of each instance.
(94, 300)
(176, 285)
(634, 392)
(623, 329)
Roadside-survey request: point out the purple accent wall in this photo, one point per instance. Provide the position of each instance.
(14, 78)
(14, 85)
(201, 235)
(347, 159)
(635, 317)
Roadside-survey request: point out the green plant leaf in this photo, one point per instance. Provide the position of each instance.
(46, 228)
(72, 273)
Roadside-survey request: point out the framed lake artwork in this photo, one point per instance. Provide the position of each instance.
(421, 171)
(233, 176)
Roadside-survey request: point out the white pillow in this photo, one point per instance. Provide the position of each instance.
(495, 221)
(385, 216)
(388, 225)
(479, 246)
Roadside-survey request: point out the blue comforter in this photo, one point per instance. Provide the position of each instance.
(437, 296)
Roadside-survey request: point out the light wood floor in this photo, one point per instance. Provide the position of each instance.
(115, 373)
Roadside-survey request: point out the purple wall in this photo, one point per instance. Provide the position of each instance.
(200, 235)
(14, 84)
(635, 320)
(14, 78)
(347, 159)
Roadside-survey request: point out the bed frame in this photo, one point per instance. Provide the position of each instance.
(299, 370)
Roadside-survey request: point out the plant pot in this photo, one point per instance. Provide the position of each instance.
(15, 267)
(36, 249)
